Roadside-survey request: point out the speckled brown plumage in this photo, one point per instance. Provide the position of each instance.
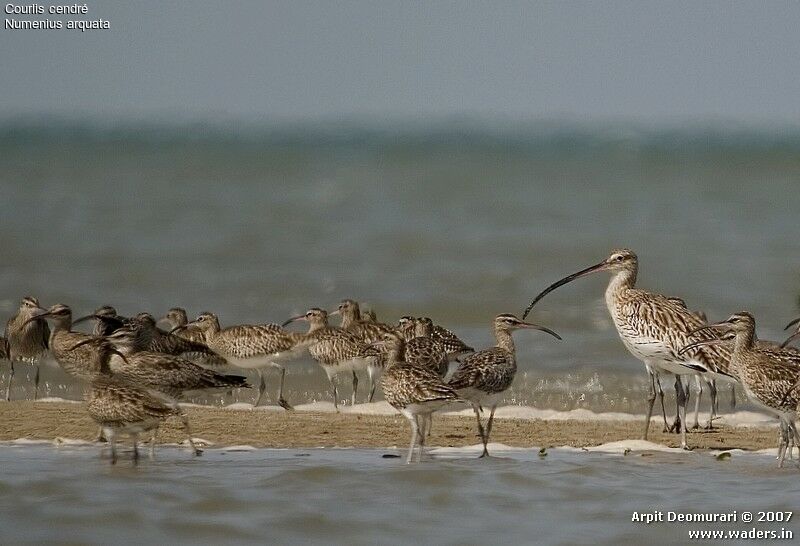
(654, 328)
(336, 350)
(413, 390)
(482, 377)
(422, 350)
(85, 362)
(769, 375)
(169, 374)
(122, 408)
(253, 346)
(366, 331)
(106, 320)
(26, 340)
(177, 317)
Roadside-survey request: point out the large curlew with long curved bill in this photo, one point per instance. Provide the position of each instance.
(654, 328)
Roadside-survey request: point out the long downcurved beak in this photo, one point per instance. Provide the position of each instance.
(179, 328)
(583, 272)
(532, 326)
(795, 321)
(725, 337)
(696, 344)
(119, 354)
(790, 339)
(86, 342)
(83, 319)
(293, 319)
(43, 314)
(337, 312)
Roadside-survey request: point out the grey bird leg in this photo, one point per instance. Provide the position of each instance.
(36, 383)
(262, 386)
(782, 442)
(355, 388)
(101, 436)
(681, 393)
(698, 385)
(335, 392)
(10, 379)
(112, 439)
(733, 397)
(651, 400)
(480, 425)
(281, 400)
(372, 382)
(679, 397)
(135, 439)
(661, 400)
(185, 420)
(153, 443)
(422, 433)
(413, 439)
(712, 392)
(488, 432)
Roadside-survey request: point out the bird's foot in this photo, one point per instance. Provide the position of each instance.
(285, 405)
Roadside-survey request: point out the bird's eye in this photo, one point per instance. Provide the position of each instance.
(619, 258)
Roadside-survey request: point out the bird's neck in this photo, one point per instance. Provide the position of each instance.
(504, 339)
(317, 325)
(620, 282)
(351, 317)
(744, 341)
(393, 355)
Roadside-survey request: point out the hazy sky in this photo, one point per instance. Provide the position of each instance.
(300, 60)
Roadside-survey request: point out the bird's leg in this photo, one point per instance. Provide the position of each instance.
(335, 392)
(733, 397)
(135, 440)
(281, 401)
(153, 443)
(679, 390)
(698, 385)
(355, 388)
(187, 429)
(480, 425)
(430, 425)
(712, 392)
(783, 434)
(680, 395)
(651, 400)
(488, 432)
(262, 386)
(660, 393)
(10, 379)
(372, 383)
(423, 431)
(36, 383)
(112, 439)
(413, 422)
(101, 436)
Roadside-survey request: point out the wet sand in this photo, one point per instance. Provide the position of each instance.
(280, 429)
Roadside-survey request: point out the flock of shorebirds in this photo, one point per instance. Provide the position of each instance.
(138, 373)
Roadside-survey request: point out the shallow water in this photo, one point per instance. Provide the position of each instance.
(69, 494)
(455, 221)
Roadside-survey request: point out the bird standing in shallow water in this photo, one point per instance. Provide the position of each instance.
(414, 391)
(27, 338)
(653, 328)
(770, 376)
(335, 349)
(367, 331)
(483, 377)
(253, 347)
